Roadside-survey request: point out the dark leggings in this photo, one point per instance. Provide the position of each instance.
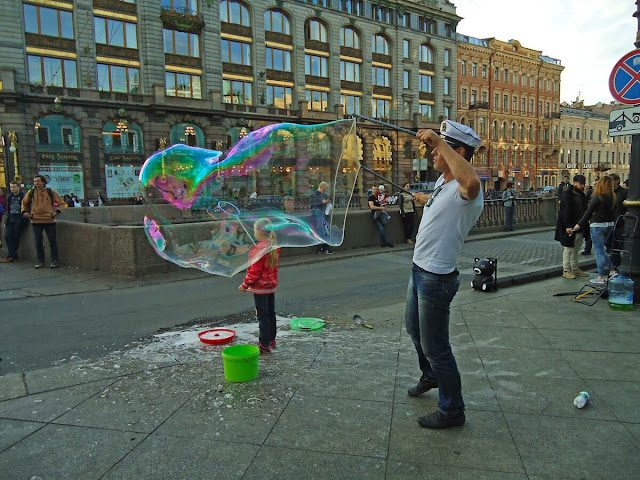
(265, 306)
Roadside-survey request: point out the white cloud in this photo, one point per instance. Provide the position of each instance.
(588, 37)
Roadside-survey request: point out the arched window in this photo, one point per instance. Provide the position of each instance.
(122, 137)
(513, 130)
(57, 133)
(315, 30)
(232, 11)
(277, 21)
(382, 154)
(426, 53)
(530, 133)
(494, 129)
(521, 131)
(235, 134)
(349, 38)
(379, 44)
(503, 130)
(187, 134)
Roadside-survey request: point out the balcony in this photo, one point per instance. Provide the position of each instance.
(602, 167)
(552, 116)
(479, 106)
(184, 20)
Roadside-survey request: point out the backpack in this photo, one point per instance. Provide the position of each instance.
(30, 192)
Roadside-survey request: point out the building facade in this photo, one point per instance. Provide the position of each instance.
(90, 88)
(586, 147)
(510, 95)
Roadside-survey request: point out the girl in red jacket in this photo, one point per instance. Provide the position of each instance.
(262, 280)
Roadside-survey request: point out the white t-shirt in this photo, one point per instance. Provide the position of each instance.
(443, 228)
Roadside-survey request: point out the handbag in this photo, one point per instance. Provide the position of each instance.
(381, 216)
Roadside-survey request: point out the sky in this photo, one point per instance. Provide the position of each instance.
(587, 36)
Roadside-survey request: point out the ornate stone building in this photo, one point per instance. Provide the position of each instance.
(90, 88)
(510, 95)
(586, 147)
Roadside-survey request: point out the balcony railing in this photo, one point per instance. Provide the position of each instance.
(479, 105)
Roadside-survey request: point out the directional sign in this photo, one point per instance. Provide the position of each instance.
(624, 121)
(624, 82)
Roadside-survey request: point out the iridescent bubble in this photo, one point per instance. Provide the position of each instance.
(202, 204)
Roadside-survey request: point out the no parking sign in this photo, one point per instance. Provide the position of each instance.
(624, 82)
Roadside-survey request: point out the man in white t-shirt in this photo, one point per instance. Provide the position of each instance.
(449, 213)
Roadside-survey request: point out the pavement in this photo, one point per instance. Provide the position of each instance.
(332, 403)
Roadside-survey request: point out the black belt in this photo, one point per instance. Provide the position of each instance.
(453, 274)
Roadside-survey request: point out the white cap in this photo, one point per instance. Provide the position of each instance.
(381, 187)
(459, 134)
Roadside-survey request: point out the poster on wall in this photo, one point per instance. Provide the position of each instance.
(64, 178)
(122, 181)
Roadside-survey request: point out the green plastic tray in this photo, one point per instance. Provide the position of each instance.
(307, 323)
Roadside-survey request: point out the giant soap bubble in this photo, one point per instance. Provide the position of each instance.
(202, 204)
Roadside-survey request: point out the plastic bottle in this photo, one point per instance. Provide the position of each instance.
(581, 400)
(621, 293)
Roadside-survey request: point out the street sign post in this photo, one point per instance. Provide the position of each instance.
(624, 82)
(625, 121)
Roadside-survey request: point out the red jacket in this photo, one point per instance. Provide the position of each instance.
(261, 279)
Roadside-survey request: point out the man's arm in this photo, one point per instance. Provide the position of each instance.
(463, 172)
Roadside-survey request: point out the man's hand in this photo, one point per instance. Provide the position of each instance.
(421, 198)
(429, 137)
(242, 289)
(570, 231)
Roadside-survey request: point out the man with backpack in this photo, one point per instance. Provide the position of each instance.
(42, 205)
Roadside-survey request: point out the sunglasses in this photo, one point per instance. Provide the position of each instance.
(433, 196)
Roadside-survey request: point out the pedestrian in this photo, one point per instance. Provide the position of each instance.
(509, 202)
(616, 239)
(100, 200)
(262, 280)
(68, 200)
(320, 210)
(15, 222)
(601, 214)
(407, 213)
(380, 216)
(382, 195)
(587, 232)
(573, 204)
(449, 214)
(42, 205)
(3, 209)
(564, 184)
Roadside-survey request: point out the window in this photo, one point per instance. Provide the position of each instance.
(539, 108)
(349, 71)
(380, 108)
(503, 130)
(523, 105)
(115, 32)
(482, 126)
(406, 81)
(114, 78)
(322, 3)
(496, 101)
(484, 72)
(426, 111)
(591, 134)
(484, 97)
(570, 132)
(426, 54)
(277, 21)
(279, 97)
(463, 67)
(183, 6)
(425, 83)
(447, 57)
(506, 75)
(182, 85)
(48, 21)
(349, 38)
(54, 72)
(315, 30)
(315, 65)
(532, 81)
(446, 112)
(351, 6)
(42, 135)
(404, 19)
(505, 102)
(426, 25)
(380, 45)
(406, 105)
(235, 52)
(578, 133)
(277, 59)
(446, 86)
(514, 105)
(513, 130)
(524, 80)
(474, 97)
(232, 12)
(406, 46)
(521, 131)
(531, 105)
(181, 43)
(350, 104)
(381, 14)
(463, 96)
(515, 78)
(494, 129)
(317, 100)
(495, 158)
(237, 91)
(448, 30)
(599, 135)
(496, 74)
(474, 70)
(380, 76)
(67, 135)
(504, 158)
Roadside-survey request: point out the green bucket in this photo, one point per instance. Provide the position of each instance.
(240, 362)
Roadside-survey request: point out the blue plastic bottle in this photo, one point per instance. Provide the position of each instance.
(621, 293)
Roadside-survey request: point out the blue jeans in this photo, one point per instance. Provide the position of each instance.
(383, 234)
(265, 306)
(599, 236)
(509, 214)
(427, 323)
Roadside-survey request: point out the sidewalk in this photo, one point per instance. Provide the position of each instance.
(332, 404)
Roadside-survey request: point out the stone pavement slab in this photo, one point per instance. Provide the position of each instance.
(15, 430)
(12, 386)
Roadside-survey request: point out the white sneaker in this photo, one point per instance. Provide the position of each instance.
(613, 274)
(598, 281)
